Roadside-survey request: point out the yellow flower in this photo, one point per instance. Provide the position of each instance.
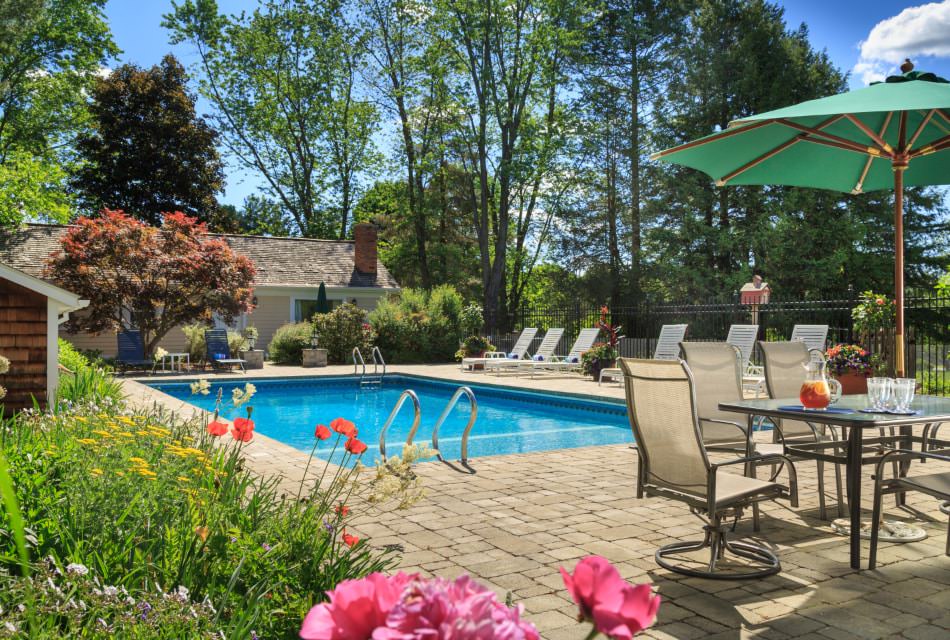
(100, 432)
(145, 473)
(87, 441)
(125, 434)
(138, 460)
(120, 473)
(81, 419)
(184, 478)
(96, 472)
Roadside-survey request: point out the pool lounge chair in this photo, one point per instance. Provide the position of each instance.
(570, 362)
(743, 337)
(517, 352)
(131, 351)
(219, 352)
(815, 336)
(667, 348)
(545, 351)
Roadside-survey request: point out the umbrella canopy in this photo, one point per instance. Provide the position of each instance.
(884, 136)
(322, 305)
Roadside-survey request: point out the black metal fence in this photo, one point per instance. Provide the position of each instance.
(927, 319)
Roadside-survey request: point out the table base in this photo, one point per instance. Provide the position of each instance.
(891, 531)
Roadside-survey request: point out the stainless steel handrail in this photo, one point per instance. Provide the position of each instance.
(356, 353)
(473, 403)
(377, 352)
(408, 393)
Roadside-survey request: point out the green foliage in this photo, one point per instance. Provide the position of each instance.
(148, 152)
(600, 354)
(70, 357)
(288, 343)
(342, 329)
(195, 341)
(164, 534)
(416, 326)
(473, 345)
(471, 320)
(875, 312)
(85, 380)
(32, 188)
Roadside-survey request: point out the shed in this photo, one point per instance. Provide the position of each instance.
(31, 311)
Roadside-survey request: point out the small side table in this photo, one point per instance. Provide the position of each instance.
(254, 359)
(175, 360)
(314, 357)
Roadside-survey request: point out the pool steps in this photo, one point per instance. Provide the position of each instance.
(409, 394)
(374, 379)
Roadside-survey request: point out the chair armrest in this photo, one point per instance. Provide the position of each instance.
(742, 428)
(907, 453)
(792, 491)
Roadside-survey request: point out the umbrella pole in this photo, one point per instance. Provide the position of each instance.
(899, 267)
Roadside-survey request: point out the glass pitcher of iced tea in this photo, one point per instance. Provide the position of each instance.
(818, 391)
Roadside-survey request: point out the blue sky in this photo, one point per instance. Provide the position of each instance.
(888, 29)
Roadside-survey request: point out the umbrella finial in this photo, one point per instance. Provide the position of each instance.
(907, 66)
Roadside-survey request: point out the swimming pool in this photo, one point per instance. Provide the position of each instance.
(509, 420)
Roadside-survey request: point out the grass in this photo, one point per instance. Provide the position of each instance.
(142, 526)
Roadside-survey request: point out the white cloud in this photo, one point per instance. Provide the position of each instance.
(914, 32)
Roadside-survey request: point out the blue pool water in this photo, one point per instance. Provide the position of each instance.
(509, 420)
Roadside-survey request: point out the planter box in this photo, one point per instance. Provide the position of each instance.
(853, 383)
(254, 357)
(314, 357)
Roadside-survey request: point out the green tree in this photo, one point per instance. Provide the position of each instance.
(148, 152)
(281, 80)
(32, 188)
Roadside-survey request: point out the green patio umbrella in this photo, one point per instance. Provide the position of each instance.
(888, 135)
(322, 305)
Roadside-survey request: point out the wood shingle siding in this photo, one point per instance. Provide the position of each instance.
(23, 341)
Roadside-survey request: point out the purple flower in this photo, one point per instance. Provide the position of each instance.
(266, 547)
(145, 608)
(328, 526)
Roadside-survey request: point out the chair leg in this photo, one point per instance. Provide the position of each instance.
(765, 562)
(822, 514)
(875, 518)
(842, 511)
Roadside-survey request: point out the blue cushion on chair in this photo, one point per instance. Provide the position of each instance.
(220, 356)
(573, 359)
(539, 358)
(513, 356)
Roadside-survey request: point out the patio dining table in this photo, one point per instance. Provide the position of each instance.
(855, 424)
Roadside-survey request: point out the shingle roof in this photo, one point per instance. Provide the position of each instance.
(286, 262)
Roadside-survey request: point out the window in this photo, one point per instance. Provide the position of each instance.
(304, 308)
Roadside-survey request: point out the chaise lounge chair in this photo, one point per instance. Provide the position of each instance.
(667, 348)
(545, 352)
(743, 337)
(219, 352)
(517, 352)
(131, 351)
(570, 362)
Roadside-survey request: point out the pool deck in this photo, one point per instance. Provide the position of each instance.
(518, 518)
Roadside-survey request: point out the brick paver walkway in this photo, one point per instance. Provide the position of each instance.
(519, 518)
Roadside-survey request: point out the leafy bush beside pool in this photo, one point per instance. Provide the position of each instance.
(139, 526)
(416, 326)
(288, 343)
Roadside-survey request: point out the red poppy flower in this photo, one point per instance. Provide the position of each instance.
(243, 429)
(349, 540)
(344, 426)
(343, 510)
(355, 446)
(217, 428)
(321, 432)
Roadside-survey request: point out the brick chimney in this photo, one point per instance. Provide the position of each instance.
(364, 248)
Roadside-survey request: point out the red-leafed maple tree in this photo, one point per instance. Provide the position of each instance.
(136, 276)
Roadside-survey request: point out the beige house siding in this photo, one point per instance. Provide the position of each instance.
(274, 309)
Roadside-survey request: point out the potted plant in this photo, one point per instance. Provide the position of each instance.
(600, 356)
(851, 365)
(250, 336)
(474, 346)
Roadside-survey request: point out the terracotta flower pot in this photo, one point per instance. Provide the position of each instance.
(853, 383)
(599, 365)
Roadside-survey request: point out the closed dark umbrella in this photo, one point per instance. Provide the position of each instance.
(322, 305)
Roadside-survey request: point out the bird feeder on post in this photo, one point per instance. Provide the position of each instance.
(753, 294)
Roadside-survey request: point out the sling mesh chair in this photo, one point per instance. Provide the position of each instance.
(784, 364)
(673, 464)
(219, 352)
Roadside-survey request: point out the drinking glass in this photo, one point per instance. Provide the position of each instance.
(904, 393)
(879, 392)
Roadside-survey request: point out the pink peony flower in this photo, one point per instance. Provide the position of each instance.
(618, 609)
(356, 608)
(440, 609)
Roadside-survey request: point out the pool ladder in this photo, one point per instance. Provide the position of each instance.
(409, 394)
(376, 378)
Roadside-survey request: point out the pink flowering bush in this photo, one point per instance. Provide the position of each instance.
(410, 607)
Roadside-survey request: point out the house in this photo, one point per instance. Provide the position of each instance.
(289, 273)
(31, 311)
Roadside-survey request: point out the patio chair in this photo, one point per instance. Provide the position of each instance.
(743, 337)
(572, 361)
(784, 365)
(668, 344)
(934, 484)
(673, 464)
(131, 351)
(813, 335)
(545, 351)
(219, 352)
(518, 351)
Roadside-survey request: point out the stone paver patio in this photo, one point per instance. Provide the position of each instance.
(519, 518)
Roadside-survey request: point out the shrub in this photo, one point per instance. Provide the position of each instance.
(472, 319)
(86, 380)
(415, 326)
(161, 531)
(342, 329)
(473, 346)
(70, 357)
(195, 341)
(288, 343)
